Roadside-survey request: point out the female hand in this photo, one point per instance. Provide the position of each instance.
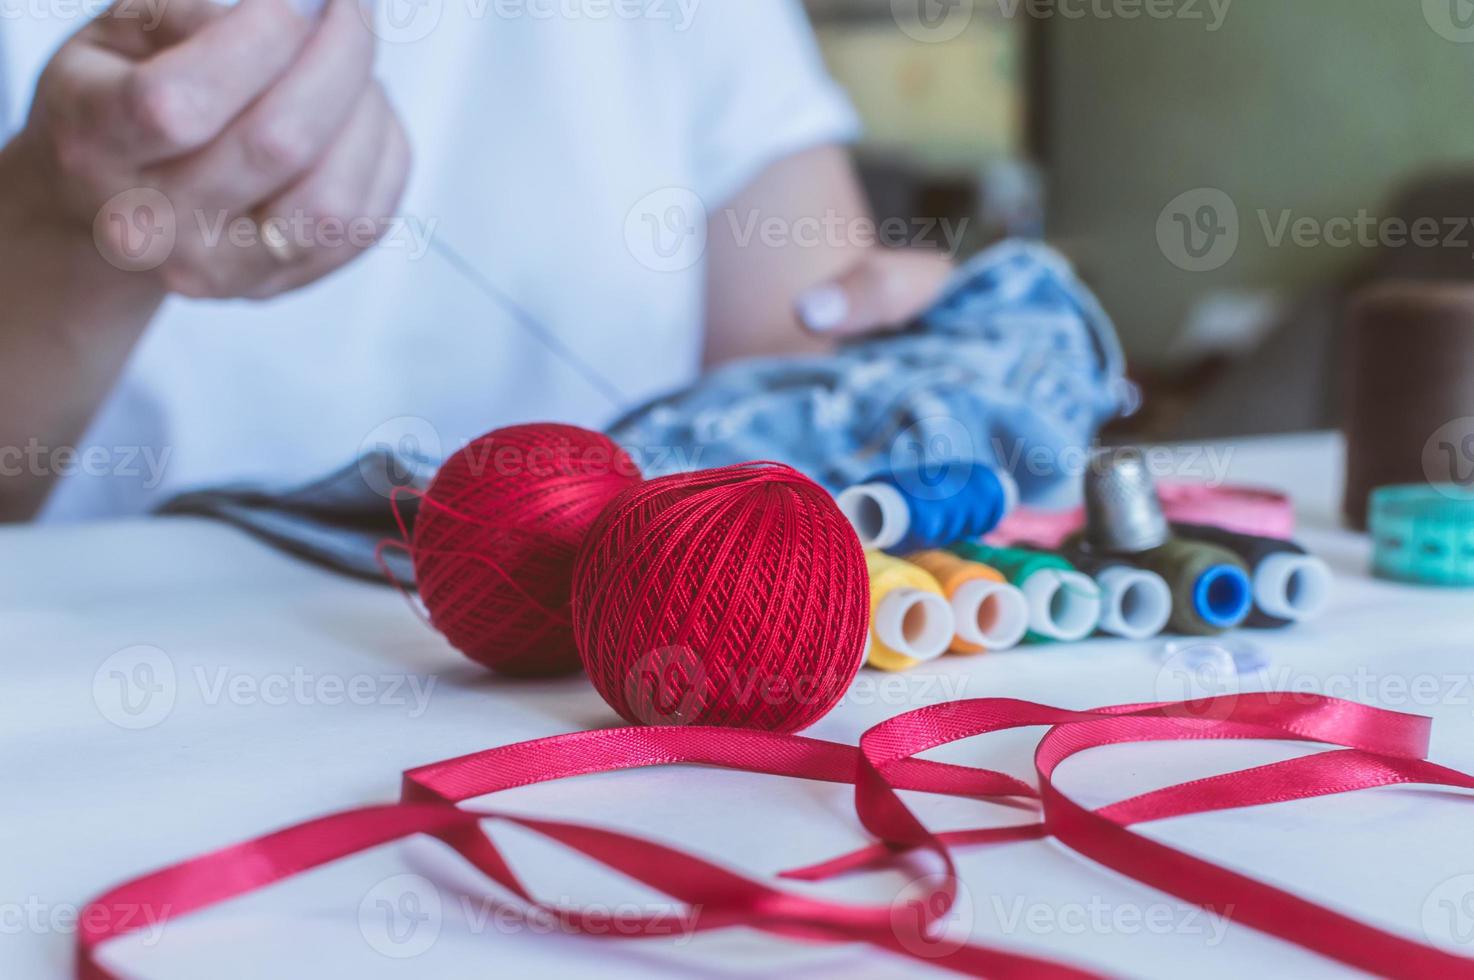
(226, 151)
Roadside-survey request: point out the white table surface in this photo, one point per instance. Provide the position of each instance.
(249, 728)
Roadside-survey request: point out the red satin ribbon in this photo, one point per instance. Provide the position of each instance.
(1378, 748)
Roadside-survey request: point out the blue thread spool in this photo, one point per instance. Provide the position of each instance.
(1223, 596)
(903, 513)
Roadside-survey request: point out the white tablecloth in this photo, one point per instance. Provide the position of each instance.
(279, 692)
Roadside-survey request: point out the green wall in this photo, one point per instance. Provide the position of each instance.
(1318, 106)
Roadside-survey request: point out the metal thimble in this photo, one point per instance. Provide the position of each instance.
(1123, 513)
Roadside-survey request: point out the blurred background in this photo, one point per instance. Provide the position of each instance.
(1222, 172)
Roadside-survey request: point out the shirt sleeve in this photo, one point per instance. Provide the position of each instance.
(760, 91)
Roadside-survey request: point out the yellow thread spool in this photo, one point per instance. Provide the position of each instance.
(991, 614)
(911, 620)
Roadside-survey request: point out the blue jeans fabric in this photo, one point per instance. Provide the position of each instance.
(1014, 367)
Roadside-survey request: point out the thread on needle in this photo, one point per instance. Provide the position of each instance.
(528, 322)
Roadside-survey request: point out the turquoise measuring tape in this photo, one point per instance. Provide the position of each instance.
(1424, 534)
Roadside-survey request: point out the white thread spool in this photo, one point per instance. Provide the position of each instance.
(1292, 587)
(915, 623)
(1136, 604)
(879, 514)
(991, 615)
(1063, 606)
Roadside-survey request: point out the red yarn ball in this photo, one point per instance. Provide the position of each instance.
(496, 537)
(732, 597)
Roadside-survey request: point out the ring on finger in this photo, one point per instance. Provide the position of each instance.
(273, 235)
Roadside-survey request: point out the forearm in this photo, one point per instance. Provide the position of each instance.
(796, 263)
(787, 232)
(67, 324)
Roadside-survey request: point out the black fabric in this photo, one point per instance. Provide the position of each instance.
(337, 522)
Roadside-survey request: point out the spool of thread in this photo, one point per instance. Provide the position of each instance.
(1136, 604)
(1424, 535)
(990, 613)
(911, 621)
(1410, 355)
(1211, 591)
(1064, 605)
(1289, 584)
(902, 514)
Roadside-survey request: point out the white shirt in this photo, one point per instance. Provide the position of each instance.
(561, 147)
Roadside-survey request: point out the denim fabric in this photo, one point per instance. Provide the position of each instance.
(1016, 365)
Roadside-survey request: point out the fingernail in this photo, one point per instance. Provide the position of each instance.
(309, 9)
(823, 308)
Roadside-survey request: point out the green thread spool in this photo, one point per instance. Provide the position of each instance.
(1424, 535)
(1064, 605)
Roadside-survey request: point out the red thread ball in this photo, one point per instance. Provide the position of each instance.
(733, 597)
(496, 538)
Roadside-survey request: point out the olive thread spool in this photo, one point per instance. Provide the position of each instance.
(1064, 605)
(991, 614)
(1211, 592)
(911, 621)
(1289, 584)
(1136, 603)
(890, 513)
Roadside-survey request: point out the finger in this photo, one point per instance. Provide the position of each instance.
(885, 290)
(140, 28)
(183, 97)
(77, 92)
(347, 201)
(82, 89)
(285, 132)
